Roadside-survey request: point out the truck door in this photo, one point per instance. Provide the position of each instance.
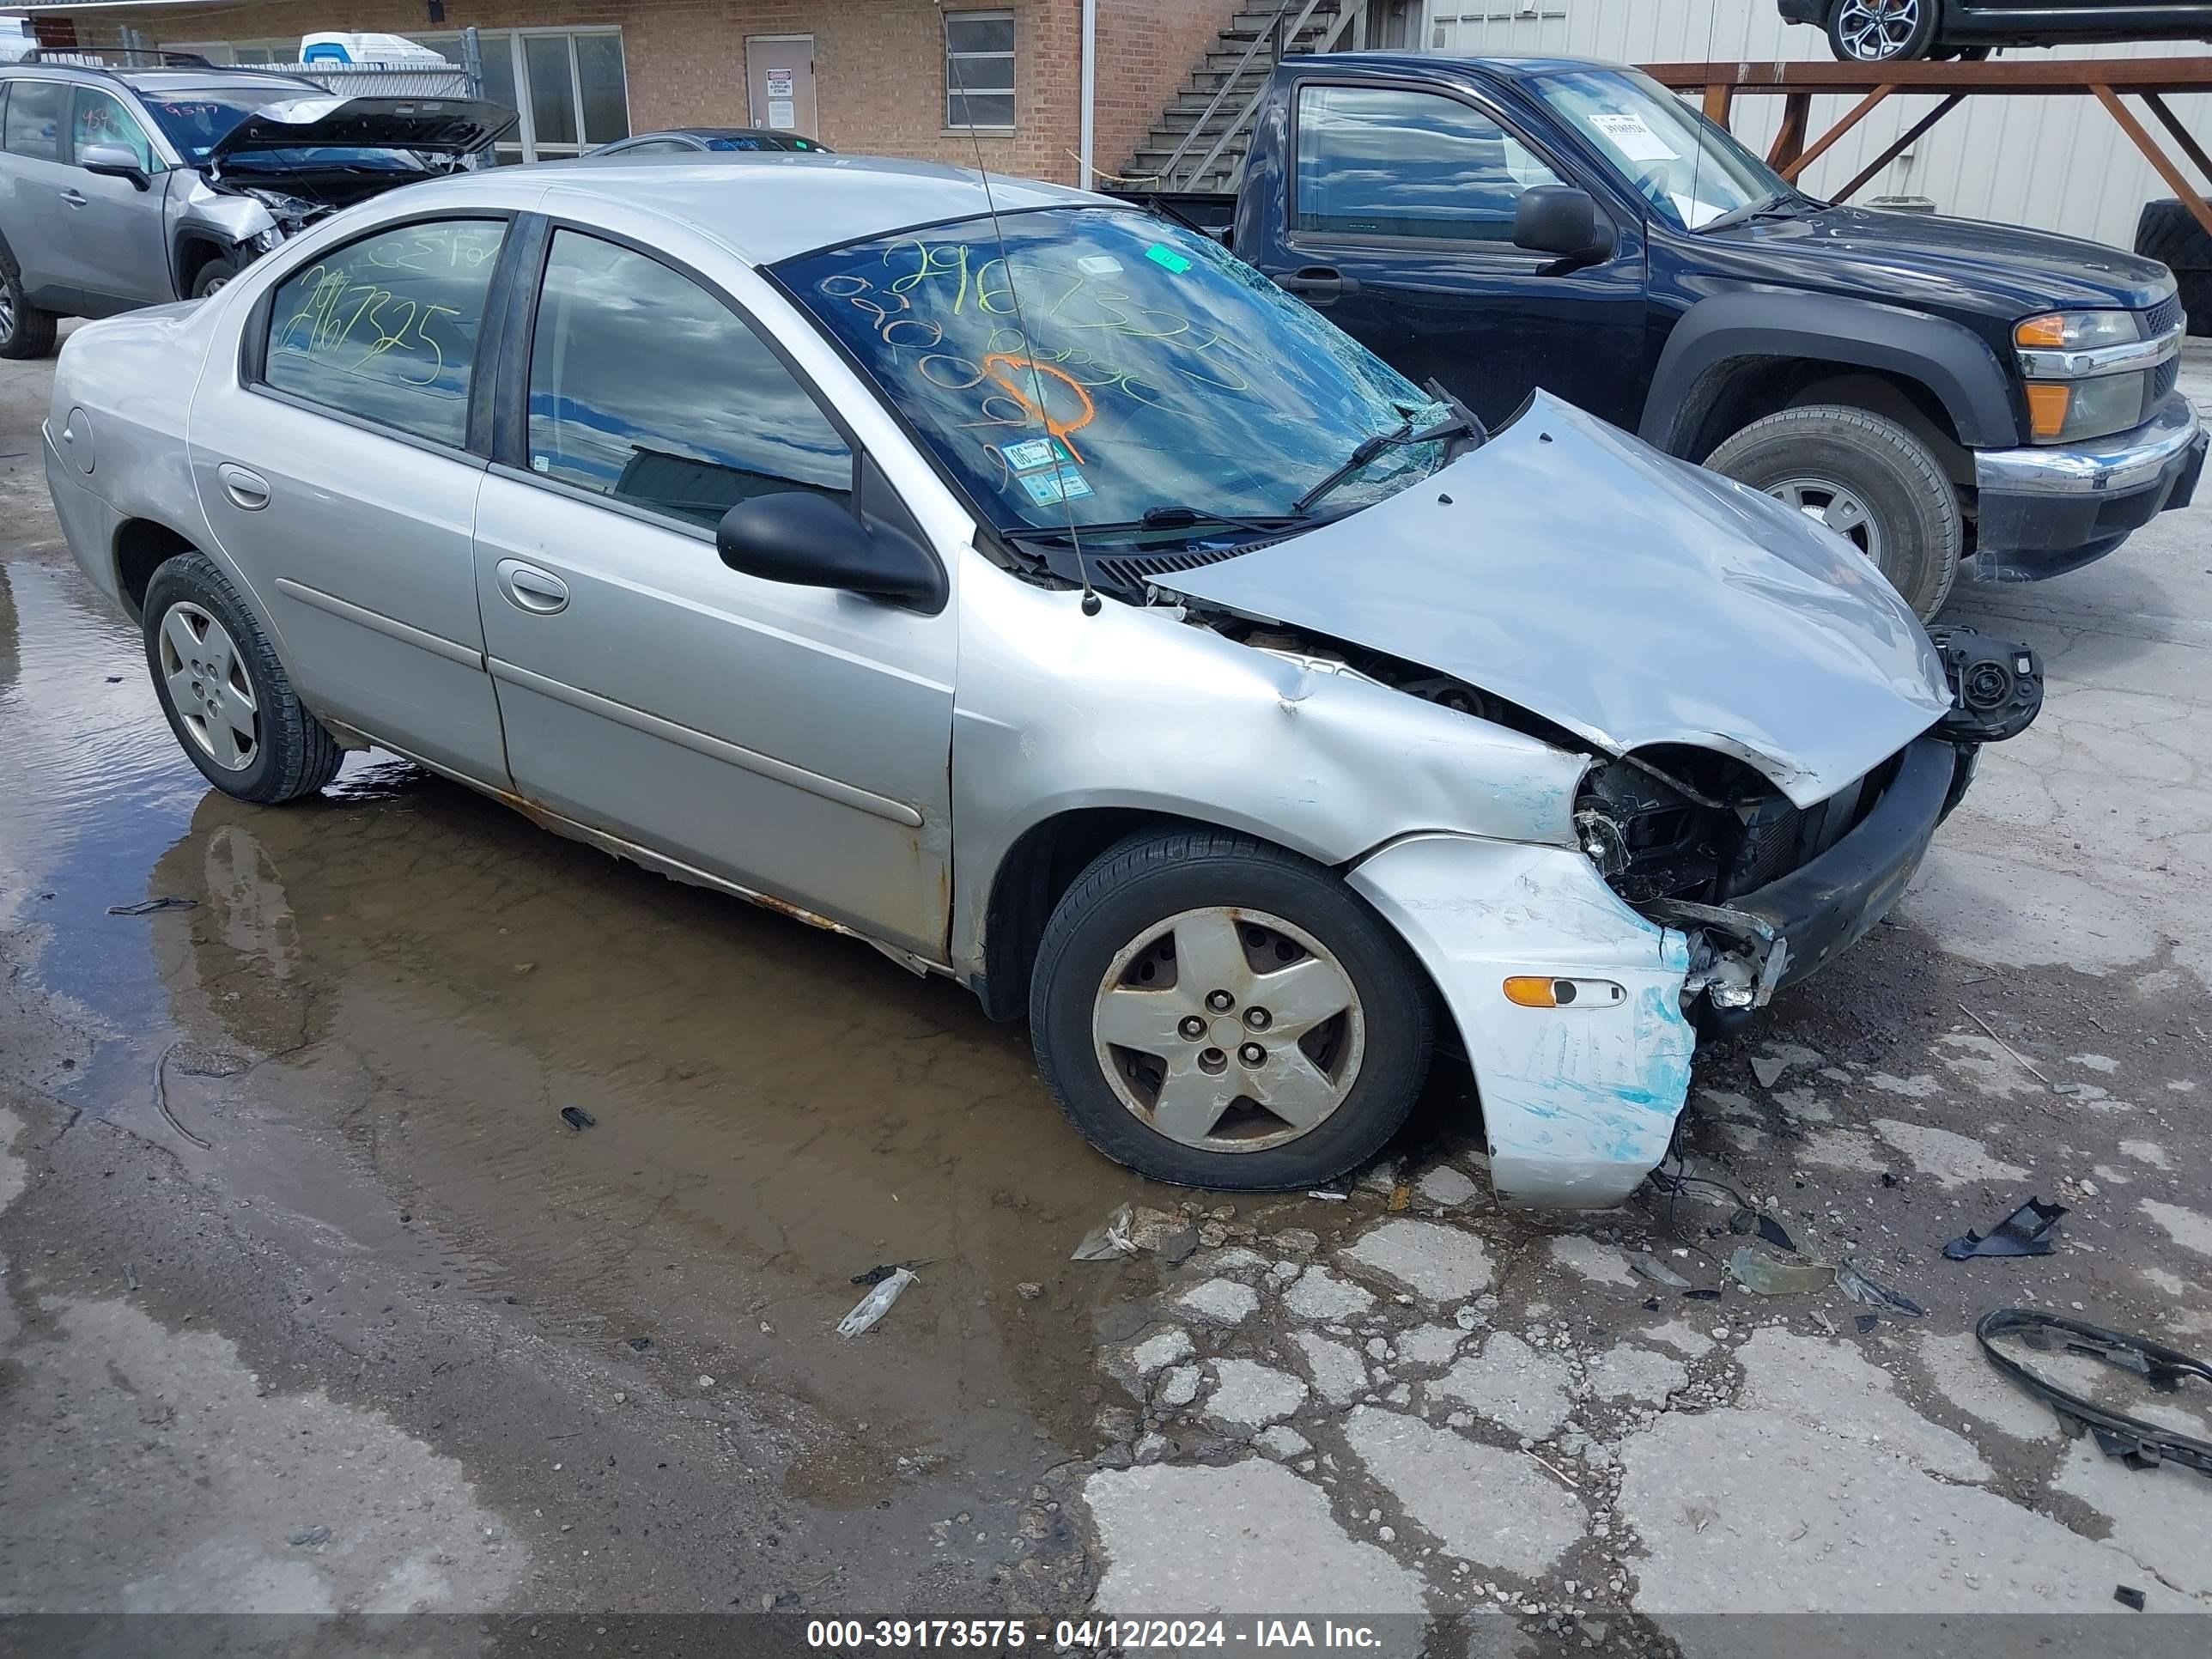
(1401, 204)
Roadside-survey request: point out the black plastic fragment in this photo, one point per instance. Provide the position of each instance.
(2026, 1231)
(1701, 1296)
(2140, 1444)
(2128, 1596)
(1867, 1321)
(146, 907)
(1855, 1283)
(577, 1118)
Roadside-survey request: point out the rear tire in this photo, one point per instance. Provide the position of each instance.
(1227, 905)
(26, 331)
(1881, 31)
(227, 698)
(1868, 477)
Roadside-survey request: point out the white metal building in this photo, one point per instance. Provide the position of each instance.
(2056, 163)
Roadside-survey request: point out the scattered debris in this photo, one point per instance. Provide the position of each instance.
(2140, 1444)
(309, 1538)
(1768, 1277)
(874, 1305)
(146, 907)
(161, 1097)
(2026, 1231)
(640, 1343)
(1539, 1462)
(1823, 1323)
(1110, 1240)
(2128, 1596)
(1866, 1322)
(1749, 1220)
(1649, 1267)
(1853, 1282)
(1332, 1196)
(130, 1277)
(2026, 1063)
(577, 1118)
(1028, 1291)
(883, 1270)
(1401, 1196)
(1701, 1296)
(705, 1381)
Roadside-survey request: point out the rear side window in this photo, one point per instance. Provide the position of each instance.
(385, 328)
(1372, 161)
(33, 125)
(646, 388)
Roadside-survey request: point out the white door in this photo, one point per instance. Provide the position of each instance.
(779, 80)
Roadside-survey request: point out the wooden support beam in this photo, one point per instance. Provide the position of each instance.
(2192, 198)
(1720, 101)
(1911, 137)
(1789, 141)
(2182, 136)
(1859, 112)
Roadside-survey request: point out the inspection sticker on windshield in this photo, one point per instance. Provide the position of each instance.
(1162, 255)
(1037, 453)
(1099, 265)
(1628, 134)
(1044, 488)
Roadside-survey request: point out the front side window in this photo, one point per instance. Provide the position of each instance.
(1690, 170)
(32, 126)
(1373, 162)
(387, 327)
(979, 69)
(100, 118)
(1156, 370)
(646, 388)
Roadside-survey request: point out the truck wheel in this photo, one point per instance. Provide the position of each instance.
(1868, 480)
(25, 331)
(1214, 1011)
(229, 700)
(212, 276)
(1881, 31)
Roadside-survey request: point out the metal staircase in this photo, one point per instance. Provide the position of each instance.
(1200, 141)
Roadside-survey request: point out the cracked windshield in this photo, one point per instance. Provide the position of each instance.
(1141, 382)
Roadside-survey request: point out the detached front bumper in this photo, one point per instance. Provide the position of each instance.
(2046, 511)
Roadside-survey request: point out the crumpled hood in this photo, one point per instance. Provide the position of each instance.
(446, 126)
(1628, 596)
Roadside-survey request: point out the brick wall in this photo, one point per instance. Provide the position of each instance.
(878, 65)
(1146, 51)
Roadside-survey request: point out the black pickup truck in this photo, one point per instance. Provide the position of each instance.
(1951, 395)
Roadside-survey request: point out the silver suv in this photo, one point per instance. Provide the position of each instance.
(122, 187)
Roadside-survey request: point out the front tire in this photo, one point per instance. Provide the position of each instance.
(1881, 31)
(1869, 479)
(26, 331)
(1214, 1011)
(227, 698)
(212, 276)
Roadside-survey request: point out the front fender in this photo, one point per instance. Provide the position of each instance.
(1949, 359)
(1578, 1102)
(1134, 708)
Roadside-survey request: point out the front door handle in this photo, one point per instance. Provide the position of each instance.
(74, 197)
(1318, 284)
(528, 588)
(246, 490)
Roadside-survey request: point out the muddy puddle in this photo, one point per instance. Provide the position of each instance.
(381, 1001)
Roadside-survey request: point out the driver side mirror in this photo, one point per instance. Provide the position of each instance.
(816, 541)
(1561, 220)
(112, 161)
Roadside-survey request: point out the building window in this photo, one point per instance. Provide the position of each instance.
(570, 85)
(979, 69)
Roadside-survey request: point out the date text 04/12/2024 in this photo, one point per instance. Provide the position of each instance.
(857, 1635)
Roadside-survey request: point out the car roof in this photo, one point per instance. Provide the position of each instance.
(768, 206)
(1437, 65)
(156, 82)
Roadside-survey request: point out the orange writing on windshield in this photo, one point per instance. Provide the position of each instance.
(999, 366)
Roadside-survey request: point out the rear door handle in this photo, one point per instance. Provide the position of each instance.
(74, 197)
(1318, 283)
(246, 490)
(528, 588)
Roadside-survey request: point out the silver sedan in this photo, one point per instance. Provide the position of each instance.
(1023, 585)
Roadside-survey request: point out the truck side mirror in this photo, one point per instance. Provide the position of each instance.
(1561, 220)
(112, 161)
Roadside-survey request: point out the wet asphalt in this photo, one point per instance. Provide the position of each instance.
(315, 1118)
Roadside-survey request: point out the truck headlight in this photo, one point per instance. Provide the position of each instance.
(2089, 374)
(266, 241)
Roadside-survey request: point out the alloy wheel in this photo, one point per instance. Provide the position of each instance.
(1872, 31)
(1228, 1029)
(7, 315)
(1841, 509)
(208, 687)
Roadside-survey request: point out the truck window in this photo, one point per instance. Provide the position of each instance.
(1374, 162)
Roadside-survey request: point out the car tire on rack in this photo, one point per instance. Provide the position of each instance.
(1866, 478)
(212, 276)
(1215, 1011)
(1881, 31)
(2168, 232)
(227, 698)
(26, 331)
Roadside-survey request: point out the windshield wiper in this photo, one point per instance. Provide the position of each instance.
(1402, 436)
(1164, 520)
(1771, 204)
